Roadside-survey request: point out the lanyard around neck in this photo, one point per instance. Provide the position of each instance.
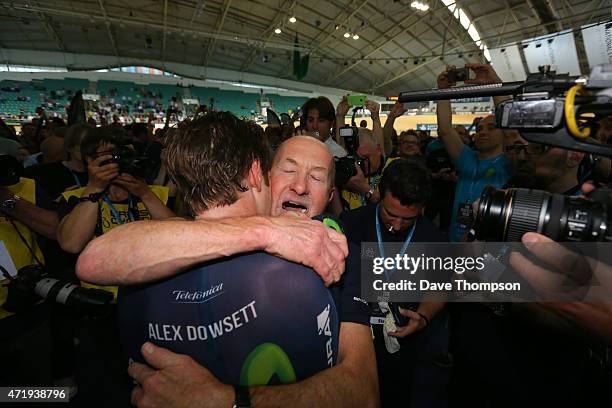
(381, 249)
(131, 207)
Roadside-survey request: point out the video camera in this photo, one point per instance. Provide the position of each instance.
(33, 283)
(544, 108)
(552, 109)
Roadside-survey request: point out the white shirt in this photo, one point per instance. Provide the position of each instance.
(335, 149)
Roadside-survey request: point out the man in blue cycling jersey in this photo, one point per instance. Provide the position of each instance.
(234, 222)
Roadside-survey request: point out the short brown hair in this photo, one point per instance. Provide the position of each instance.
(209, 157)
(322, 105)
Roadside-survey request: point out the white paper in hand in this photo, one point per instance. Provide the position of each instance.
(6, 261)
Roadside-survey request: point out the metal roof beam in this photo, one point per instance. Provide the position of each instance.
(211, 44)
(403, 30)
(108, 30)
(268, 33)
(165, 24)
(331, 33)
(197, 10)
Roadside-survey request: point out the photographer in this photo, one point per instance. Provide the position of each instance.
(542, 167)
(121, 197)
(486, 165)
(374, 107)
(24, 337)
(362, 188)
(522, 348)
(413, 362)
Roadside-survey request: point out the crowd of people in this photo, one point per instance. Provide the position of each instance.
(133, 212)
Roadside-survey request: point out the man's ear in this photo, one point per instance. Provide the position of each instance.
(255, 177)
(332, 191)
(574, 158)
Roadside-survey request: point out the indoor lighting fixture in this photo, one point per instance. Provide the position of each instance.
(292, 19)
(356, 37)
(347, 34)
(419, 6)
(278, 31)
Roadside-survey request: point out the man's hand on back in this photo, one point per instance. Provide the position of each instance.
(308, 242)
(176, 380)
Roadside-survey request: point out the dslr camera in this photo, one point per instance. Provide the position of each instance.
(458, 74)
(130, 162)
(345, 166)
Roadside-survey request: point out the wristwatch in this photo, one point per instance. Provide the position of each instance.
(369, 194)
(10, 203)
(243, 397)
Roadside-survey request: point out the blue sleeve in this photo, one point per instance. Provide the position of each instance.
(467, 161)
(435, 145)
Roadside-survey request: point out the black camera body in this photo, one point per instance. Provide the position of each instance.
(458, 74)
(130, 162)
(345, 166)
(10, 170)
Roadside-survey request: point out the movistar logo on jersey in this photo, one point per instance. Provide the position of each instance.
(267, 362)
(323, 323)
(197, 296)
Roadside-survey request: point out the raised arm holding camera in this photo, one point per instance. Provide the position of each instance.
(486, 165)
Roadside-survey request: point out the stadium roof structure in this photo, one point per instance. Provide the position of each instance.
(374, 46)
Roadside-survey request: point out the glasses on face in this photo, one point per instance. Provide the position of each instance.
(529, 149)
(408, 142)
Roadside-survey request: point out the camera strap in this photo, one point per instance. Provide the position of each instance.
(381, 248)
(25, 241)
(131, 207)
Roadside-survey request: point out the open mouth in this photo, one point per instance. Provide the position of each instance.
(295, 207)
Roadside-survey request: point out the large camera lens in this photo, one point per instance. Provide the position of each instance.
(10, 170)
(505, 215)
(345, 169)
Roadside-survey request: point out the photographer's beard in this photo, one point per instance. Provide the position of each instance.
(523, 175)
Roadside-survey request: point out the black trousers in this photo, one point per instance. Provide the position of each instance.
(26, 349)
(101, 369)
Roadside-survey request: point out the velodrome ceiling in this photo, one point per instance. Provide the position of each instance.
(399, 47)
